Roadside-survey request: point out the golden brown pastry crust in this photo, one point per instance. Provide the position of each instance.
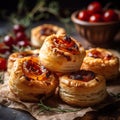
(30, 81)
(82, 93)
(61, 53)
(106, 65)
(12, 58)
(39, 33)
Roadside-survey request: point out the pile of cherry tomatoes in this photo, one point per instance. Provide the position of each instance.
(95, 13)
(18, 39)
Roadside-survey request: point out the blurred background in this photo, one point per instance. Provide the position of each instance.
(33, 12)
(62, 8)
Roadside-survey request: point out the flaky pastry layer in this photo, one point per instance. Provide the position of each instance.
(59, 59)
(30, 81)
(109, 68)
(81, 93)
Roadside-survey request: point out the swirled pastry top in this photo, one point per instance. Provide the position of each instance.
(33, 70)
(81, 78)
(39, 33)
(66, 43)
(61, 53)
(100, 53)
(12, 58)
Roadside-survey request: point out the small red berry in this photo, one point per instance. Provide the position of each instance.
(94, 7)
(20, 36)
(4, 48)
(3, 64)
(8, 40)
(23, 43)
(18, 28)
(110, 15)
(83, 15)
(95, 18)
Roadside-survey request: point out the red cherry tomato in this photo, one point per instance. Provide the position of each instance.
(3, 48)
(94, 7)
(110, 15)
(83, 15)
(20, 36)
(3, 64)
(95, 18)
(23, 43)
(18, 28)
(8, 40)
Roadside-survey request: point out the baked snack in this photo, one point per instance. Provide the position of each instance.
(61, 53)
(12, 58)
(101, 61)
(82, 88)
(30, 81)
(39, 33)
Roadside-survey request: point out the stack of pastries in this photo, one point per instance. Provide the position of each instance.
(59, 63)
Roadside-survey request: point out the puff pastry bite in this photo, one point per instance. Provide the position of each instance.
(39, 33)
(61, 53)
(12, 58)
(102, 62)
(30, 81)
(82, 88)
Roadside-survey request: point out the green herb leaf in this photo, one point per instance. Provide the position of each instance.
(44, 108)
(20, 49)
(41, 10)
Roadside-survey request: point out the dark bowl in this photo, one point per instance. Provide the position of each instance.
(98, 33)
